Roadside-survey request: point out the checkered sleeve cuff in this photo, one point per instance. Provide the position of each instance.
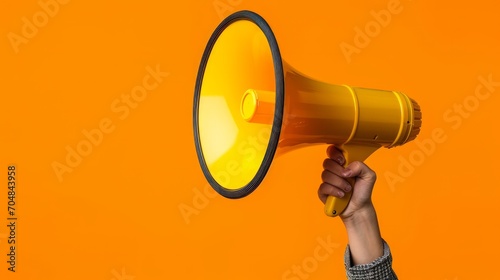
(379, 269)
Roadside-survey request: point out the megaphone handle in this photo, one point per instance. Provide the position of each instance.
(334, 206)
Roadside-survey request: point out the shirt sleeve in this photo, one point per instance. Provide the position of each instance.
(379, 269)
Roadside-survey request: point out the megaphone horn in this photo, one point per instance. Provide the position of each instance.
(249, 106)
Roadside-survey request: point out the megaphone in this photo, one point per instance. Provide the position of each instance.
(250, 106)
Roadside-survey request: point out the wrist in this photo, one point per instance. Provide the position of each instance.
(363, 232)
(363, 215)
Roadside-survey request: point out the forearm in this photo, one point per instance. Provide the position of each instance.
(365, 241)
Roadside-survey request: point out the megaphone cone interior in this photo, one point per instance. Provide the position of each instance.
(249, 104)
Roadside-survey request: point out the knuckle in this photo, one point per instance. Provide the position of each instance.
(320, 190)
(326, 163)
(370, 173)
(356, 165)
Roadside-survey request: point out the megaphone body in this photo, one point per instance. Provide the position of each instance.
(251, 106)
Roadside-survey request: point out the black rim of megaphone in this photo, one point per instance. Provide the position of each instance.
(278, 113)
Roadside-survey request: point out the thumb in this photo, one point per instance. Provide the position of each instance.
(360, 171)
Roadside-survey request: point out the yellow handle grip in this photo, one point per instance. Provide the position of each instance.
(335, 206)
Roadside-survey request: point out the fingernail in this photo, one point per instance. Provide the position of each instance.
(340, 160)
(347, 188)
(346, 173)
(341, 194)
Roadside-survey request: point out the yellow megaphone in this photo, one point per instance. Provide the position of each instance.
(249, 105)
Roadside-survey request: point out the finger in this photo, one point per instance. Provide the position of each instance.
(335, 154)
(360, 171)
(326, 190)
(335, 180)
(333, 166)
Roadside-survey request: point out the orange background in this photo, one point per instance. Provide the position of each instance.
(117, 214)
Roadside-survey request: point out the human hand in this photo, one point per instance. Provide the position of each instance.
(334, 183)
(359, 217)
